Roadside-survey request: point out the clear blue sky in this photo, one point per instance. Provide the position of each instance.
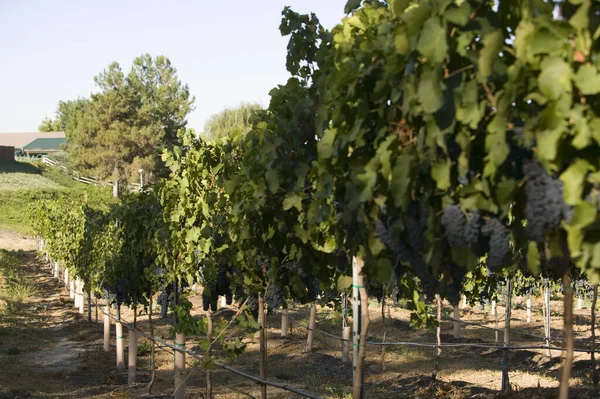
(226, 51)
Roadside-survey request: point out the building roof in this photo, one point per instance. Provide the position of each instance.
(45, 144)
(20, 140)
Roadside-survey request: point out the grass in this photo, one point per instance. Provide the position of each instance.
(23, 184)
(15, 288)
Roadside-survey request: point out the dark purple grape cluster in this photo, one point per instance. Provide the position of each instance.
(456, 275)
(454, 222)
(499, 242)
(545, 207)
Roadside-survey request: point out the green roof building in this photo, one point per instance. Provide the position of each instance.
(43, 146)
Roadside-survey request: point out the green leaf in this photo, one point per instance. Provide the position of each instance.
(325, 145)
(292, 200)
(547, 141)
(587, 80)
(343, 283)
(492, 44)
(272, 178)
(440, 172)
(573, 179)
(555, 78)
(402, 178)
(385, 270)
(459, 15)
(584, 214)
(401, 40)
(430, 91)
(533, 258)
(351, 5)
(398, 6)
(432, 43)
(581, 18)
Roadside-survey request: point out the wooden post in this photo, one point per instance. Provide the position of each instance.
(263, 344)
(76, 294)
(72, 289)
(131, 357)
(285, 323)
(594, 370)
(563, 388)
(548, 315)
(209, 353)
(119, 340)
(438, 338)
(179, 367)
(81, 301)
(311, 327)
(66, 277)
(56, 269)
(361, 328)
(456, 321)
(346, 344)
(529, 307)
(89, 301)
(579, 302)
(106, 328)
(355, 316)
(495, 313)
(464, 301)
(505, 379)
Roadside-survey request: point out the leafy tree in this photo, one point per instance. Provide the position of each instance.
(131, 120)
(49, 125)
(231, 119)
(67, 115)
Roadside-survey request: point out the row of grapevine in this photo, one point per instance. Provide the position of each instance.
(423, 139)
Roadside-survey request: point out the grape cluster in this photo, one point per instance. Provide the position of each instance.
(545, 206)
(212, 290)
(456, 275)
(274, 296)
(454, 222)
(416, 222)
(499, 242)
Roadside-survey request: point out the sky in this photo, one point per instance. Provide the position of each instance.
(228, 52)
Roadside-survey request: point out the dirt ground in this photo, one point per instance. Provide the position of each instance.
(48, 350)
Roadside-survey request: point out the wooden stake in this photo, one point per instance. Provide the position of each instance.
(209, 353)
(106, 328)
(384, 333)
(72, 289)
(346, 344)
(179, 367)
(311, 328)
(594, 370)
(81, 301)
(438, 337)
(495, 313)
(456, 321)
(263, 344)
(359, 284)
(548, 315)
(89, 301)
(119, 340)
(132, 357)
(563, 388)
(285, 323)
(66, 278)
(505, 379)
(529, 307)
(579, 303)
(464, 301)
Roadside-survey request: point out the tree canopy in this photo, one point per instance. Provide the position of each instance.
(230, 120)
(127, 124)
(67, 115)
